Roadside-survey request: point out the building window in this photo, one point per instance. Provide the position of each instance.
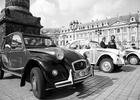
(124, 29)
(90, 33)
(105, 31)
(111, 31)
(132, 19)
(133, 38)
(77, 35)
(118, 30)
(132, 29)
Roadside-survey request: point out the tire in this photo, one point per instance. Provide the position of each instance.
(133, 60)
(1, 73)
(106, 65)
(38, 83)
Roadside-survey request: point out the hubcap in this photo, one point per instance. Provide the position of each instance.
(133, 61)
(106, 66)
(34, 83)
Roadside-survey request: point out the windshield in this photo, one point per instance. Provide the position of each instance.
(31, 41)
(94, 44)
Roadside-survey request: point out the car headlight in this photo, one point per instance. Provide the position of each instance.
(86, 54)
(59, 55)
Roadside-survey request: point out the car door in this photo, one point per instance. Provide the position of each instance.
(17, 55)
(5, 51)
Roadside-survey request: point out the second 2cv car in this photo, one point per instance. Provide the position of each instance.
(37, 59)
(106, 59)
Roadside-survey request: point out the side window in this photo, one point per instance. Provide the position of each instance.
(84, 45)
(16, 42)
(7, 43)
(74, 45)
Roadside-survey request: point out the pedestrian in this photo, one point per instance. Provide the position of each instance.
(102, 43)
(111, 43)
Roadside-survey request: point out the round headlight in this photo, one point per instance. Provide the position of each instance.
(55, 72)
(59, 55)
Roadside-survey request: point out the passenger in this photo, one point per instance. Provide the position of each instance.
(102, 43)
(111, 43)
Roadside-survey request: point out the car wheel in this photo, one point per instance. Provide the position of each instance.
(38, 83)
(133, 60)
(1, 73)
(106, 65)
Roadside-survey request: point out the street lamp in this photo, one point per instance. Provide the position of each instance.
(73, 26)
(99, 32)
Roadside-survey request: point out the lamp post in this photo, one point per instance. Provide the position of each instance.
(99, 32)
(73, 26)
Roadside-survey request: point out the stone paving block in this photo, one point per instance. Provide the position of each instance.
(132, 98)
(121, 97)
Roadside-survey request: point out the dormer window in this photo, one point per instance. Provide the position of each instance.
(132, 19)
(105, 23)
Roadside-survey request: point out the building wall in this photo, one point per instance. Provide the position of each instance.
(125, 28)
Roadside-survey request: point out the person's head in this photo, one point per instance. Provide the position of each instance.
(112, 37)
(104, 39)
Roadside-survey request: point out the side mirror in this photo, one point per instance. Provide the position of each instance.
(7, 46)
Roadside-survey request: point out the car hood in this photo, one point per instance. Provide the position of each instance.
(115, 51)
(69, 54)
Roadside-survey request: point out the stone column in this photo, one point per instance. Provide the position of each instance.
(129, 37)
(138, 35)
(121, 34)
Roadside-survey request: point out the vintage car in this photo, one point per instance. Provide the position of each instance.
(36, 59)
(133, 56)
(106, 59)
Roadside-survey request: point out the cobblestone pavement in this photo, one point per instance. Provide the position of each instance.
(123, 84)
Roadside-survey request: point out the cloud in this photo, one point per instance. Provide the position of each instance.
(72, 6)
(43, 9)
(0, 10)
(100, 10)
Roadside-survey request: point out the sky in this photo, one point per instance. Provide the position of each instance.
(59, 13)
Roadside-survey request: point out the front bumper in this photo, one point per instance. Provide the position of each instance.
(72, 79)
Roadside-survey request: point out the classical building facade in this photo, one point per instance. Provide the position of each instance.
(126, 29)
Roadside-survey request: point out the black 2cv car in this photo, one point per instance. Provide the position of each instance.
(37, 59)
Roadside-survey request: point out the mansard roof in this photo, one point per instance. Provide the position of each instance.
(110, 21)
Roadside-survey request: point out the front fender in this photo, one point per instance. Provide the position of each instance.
(133, 53)
(111, 55)
(34, 62)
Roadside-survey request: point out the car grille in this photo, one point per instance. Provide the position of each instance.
(79, 65)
